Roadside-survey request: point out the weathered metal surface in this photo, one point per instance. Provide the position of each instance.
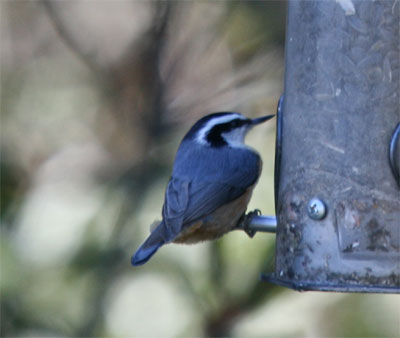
(340, 109)
(394, 153)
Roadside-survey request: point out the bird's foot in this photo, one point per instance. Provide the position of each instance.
(245, 220)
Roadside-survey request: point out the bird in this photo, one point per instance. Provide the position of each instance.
(213, 177)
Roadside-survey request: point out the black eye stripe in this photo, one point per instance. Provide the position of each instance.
(228, 126)
(237, 123)
(214, 136)
(234, 124)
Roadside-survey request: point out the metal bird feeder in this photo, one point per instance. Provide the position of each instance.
(337, 188)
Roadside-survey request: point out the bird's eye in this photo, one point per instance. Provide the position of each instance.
(235, 123)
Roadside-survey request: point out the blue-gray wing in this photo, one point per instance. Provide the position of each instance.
(187, 202)
(204, 181)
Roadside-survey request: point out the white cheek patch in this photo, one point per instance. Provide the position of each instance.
(236, 135)
(235, 138)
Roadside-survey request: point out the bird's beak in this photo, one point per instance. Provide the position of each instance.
(262, 119)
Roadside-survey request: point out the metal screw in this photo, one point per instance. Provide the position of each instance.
(316, 209)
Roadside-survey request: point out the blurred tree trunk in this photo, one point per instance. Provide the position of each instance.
(134, 95)
(132, 85)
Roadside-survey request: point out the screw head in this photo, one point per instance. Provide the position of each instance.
(316, 209)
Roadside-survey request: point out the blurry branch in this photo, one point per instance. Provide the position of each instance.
(137, 103)
(185, 283)
(179, 56)
(132, 85)
(153, 111)
(70, 40)
(217, 269)
(221, 323)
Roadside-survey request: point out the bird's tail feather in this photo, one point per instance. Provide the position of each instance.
(149, 247)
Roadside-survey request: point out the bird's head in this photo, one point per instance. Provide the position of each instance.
(223, 129)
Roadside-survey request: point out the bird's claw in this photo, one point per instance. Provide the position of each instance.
(245, 220)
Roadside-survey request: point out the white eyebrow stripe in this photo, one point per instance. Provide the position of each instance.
(200, 137)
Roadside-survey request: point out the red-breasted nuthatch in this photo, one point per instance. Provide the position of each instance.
(212, 181)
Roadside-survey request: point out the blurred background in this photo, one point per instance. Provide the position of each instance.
(95, 98)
